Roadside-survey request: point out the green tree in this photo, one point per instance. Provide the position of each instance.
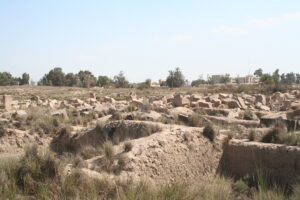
(276, 77)
(225, 79)
(162, 83)
(103, 81)
(148, 82)
(297, 78)
(175, 78)
(198, 82)
(25, 79)
(87, 79)
(266, 79)
(290, 78)
(55, 77)
(258, 72)
(7, 79)
(71, 80)
(120, 80)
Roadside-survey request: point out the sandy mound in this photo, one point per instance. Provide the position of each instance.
(174, 153)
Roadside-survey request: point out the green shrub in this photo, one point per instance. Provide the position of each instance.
(241, 187)
(35, 168)
(209, 132)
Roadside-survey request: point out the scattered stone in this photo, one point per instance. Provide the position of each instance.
(242, 103)
(137, 102)
(109, 99)
(180, 101)
(60, 113)
(233, 104)
(204, 104)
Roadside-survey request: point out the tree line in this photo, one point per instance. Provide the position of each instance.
(276, 78)
(7, 79)
(86, 79)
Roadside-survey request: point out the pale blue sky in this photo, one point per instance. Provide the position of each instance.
(145, 39)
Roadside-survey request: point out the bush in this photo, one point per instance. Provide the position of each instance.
(36, 170)
(155, 128)
(8, 187)
(3, 131)
(241, 187)
(252, 135)
(40, 121)
(117, 116)
(248, 115)
(276, 134)
(79, 186)
(122, 162)
(128, 146)
(195, 120)
(209, 132)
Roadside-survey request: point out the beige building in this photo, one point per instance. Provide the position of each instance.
(249, 79)
(222, 79)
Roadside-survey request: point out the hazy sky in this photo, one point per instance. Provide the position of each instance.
(145, 39)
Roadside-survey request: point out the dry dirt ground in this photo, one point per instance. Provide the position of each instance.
(163, 126)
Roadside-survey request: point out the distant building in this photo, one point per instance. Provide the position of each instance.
(226, 79)
(249, 79)
(154, 84)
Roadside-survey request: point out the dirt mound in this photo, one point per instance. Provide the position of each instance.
(116, 131)
(175, 153)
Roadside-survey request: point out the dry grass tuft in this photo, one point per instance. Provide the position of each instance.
(196, 120)
(108, 157)
(88, 152)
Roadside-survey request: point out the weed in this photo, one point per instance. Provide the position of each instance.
(241, 186)
(275, 135)
(117, 116)
(195, 120)
(88, 152)
(209, 132)
(128, 146)
(109, 156)
(122, 162)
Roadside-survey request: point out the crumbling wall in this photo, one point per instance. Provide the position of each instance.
(6, 102)
(279, 162)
